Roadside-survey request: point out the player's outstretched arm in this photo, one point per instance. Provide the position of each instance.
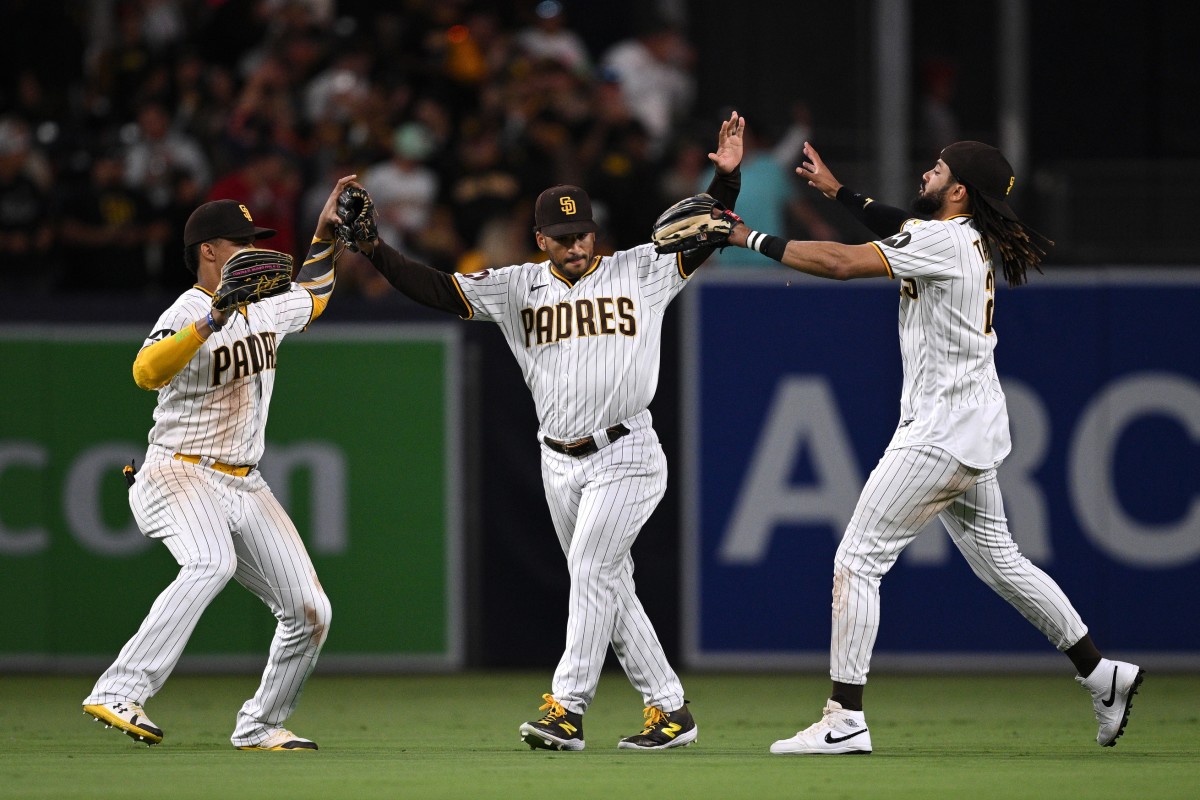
(318, 274)
(823, 259)
(424, 284)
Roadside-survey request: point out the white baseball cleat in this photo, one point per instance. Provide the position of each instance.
(839, 732)
(281, 739)
(127, 717)
(1112, 685)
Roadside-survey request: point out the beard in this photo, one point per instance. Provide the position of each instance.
(929, 204)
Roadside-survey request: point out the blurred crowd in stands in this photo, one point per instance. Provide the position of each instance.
(118, 118)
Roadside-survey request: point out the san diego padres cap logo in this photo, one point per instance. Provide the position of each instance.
(567, 204)
(246, 213)
(1012, 179)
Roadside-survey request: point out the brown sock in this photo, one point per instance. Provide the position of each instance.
(1084, 655)
(848, 694)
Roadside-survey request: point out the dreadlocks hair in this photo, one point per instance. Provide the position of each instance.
(1017, 246)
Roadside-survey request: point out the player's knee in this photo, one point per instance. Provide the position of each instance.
(318, 614)
(215, 568)
(587, 572)
(857, 564)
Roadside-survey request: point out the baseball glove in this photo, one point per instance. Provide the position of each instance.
(356, 210)
(698, 221)
(251, 275)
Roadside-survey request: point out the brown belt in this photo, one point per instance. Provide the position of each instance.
(228, 469)
(587, 445)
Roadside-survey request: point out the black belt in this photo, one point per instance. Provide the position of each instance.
(587, 445)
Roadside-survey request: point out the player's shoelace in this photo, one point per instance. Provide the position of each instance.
(826, 721)
(654, 717)
(556, 710)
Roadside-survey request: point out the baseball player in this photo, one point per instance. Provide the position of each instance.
(586, 331)
(198, 490)
(953, 429)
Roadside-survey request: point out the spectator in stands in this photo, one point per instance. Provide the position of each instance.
(159, 153)
(268, 183)
(938, 123)
(404, 187)
(106, 229)
(550, 38)
(485, 188)
(655, 72)
(25, 230)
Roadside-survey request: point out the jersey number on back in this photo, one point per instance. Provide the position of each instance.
(990, 288)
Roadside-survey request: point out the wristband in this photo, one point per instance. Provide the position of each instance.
(769, 246)
(212, 323)
(852, 199)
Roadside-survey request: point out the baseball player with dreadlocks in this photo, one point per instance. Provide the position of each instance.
(211, 358)
(953, 430)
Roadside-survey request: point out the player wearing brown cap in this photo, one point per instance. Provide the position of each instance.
(586, 330)
(953, 429)
(199, 490)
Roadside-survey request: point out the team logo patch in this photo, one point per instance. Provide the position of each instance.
(476, 276)
(898, 240)
(567, 204)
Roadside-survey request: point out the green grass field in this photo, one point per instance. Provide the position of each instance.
(455, 736)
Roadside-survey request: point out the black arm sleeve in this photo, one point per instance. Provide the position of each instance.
(725, 189)
(882, 220)
(426, 285)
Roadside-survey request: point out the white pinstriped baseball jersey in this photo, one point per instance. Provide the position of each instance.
(217, 405)
(952, 397)
(589, 351)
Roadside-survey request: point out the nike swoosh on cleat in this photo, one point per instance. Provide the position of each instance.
(1112, 691)
(831, 739)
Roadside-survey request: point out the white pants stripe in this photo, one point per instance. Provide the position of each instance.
(599, 504)
(219, 527)
(905, 491)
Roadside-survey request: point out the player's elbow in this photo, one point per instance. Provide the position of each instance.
(835, 266)
(145, 378)
(847, 262)
(839, 271)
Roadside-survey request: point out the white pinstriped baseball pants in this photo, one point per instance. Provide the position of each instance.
(599, 504)
(908, 487)
(219, 527)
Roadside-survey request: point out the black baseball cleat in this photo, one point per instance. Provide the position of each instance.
(663, 730)
(558, 730)
(129, 718)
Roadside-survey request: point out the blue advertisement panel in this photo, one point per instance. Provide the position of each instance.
(793, 393)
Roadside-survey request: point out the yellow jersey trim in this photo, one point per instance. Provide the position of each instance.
(883, 258)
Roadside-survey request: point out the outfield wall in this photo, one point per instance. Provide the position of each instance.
(791, 394)
(362, 448)
(406, 454)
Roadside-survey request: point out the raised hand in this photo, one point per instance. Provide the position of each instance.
(729, 144)
(814, 171)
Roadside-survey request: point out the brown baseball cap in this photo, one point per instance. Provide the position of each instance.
(986, 170)
(563, 209)
(222, 219)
